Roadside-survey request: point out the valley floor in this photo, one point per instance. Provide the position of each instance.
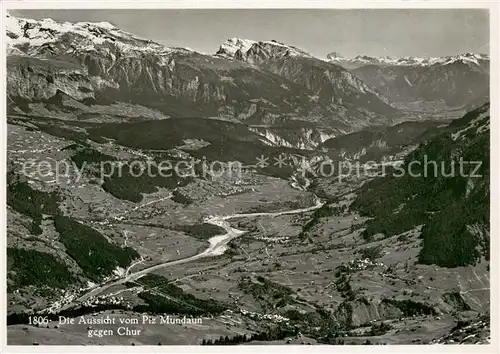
(268, 271)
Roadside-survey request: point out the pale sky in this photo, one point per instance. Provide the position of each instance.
(380, 32)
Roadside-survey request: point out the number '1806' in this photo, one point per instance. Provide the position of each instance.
(38, 320)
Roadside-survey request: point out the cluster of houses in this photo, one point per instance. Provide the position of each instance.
(107, 300)
(259, 316)
(362, 264)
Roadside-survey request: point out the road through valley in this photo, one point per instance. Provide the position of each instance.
(217, 246)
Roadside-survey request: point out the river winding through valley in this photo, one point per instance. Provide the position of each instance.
(217, 246)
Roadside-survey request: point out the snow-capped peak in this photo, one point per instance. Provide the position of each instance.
(334, 55)
(27, 35)
(473, 58)
(232, 45)
(467, 58)
(249, 50)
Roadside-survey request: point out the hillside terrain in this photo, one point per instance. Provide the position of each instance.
(427, 83)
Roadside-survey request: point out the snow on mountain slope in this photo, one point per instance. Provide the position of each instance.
(102, 64)
(231, 46)
(454, 83)
(360, 60)
(328, 81)
(247, 50)
(451, 81)
(31, 36)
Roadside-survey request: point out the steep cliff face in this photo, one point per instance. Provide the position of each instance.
(97, 63)
(305, 138)
(37, 80)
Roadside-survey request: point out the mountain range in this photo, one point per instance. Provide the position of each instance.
(362, 60)
(99, 64)
(95, 71)
(453, 80)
